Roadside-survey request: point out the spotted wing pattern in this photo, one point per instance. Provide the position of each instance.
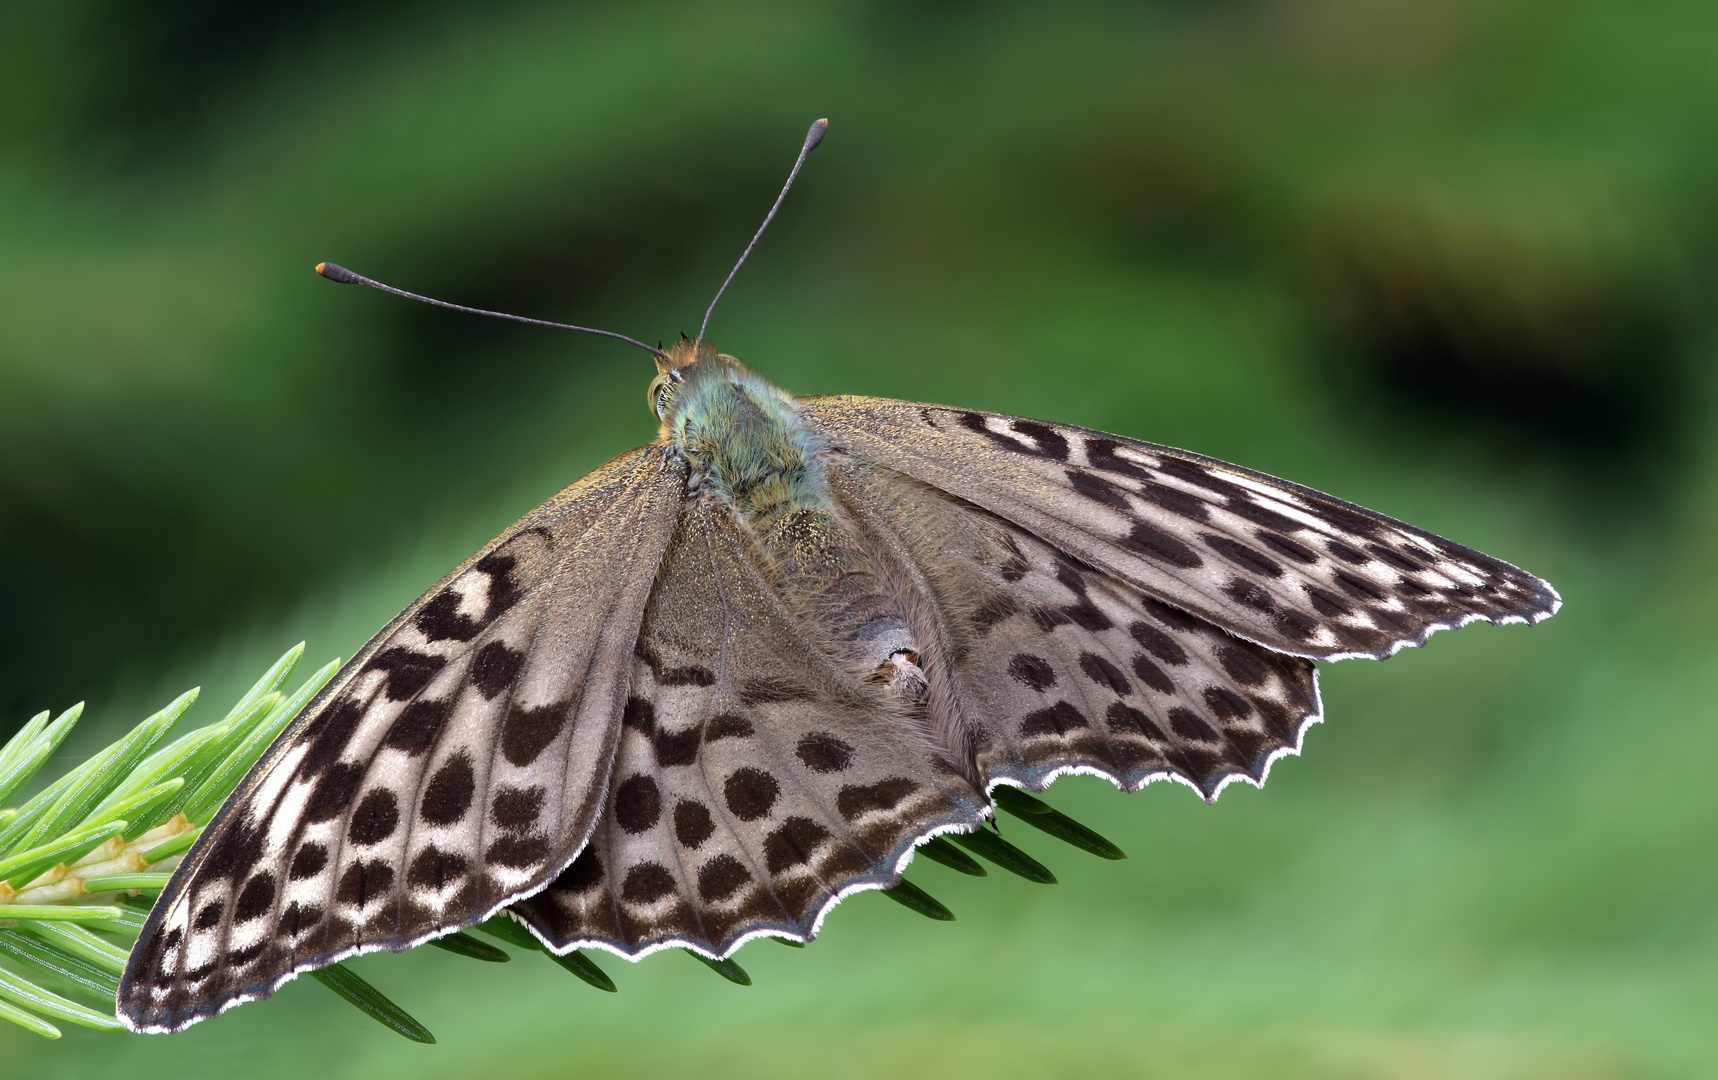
(758, 779)
(1280, 564)
(1050, 666)
(456, 764)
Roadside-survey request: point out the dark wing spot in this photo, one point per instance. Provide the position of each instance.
(448, 795)
(1227, 704)
(1346, 553)
(639, 714)
(299, 918)
(516, 809)
(1104, 673)
(1124, 717)
(583, 875)
(1086, 615)
(1291, 549)
(494, 668)
(721, 877)
(1158, 644)
(1242, 665)
(440, 619)
(1399, 560)
(1172, 617)
(363, 882)
(1050, 442)
(236, 852)
(418, 727)
(376, 818)
(436, 869)
(255, 899)
(1251, 511)
(1152, 675)
(1188, 724)
(677, 747)
(1245, 592)
(856, 800)
(637, 804)
(692, 823)
(1180, 503)
(210, 916)
(1098, 489)
(1242, 555)
(750, 793)
(1295, 625)
(792, 843)
(1048, 619)
(1348, 520)
(1033, 671)
(503, 593)
(326, 736)
(526, 732)
(1356, 586)
(1197, 475)
(240, 957)
(1327, 603)
(727, 726)
(408, 672)
(1058, 719)
(994, 609)
(334, 792)
(517, 852)
(1410, 587)
(824, 753)
(309, 861)
(690, 675)
(647, 882)
(1071, 577)
(1155, 543)
(1101, 454)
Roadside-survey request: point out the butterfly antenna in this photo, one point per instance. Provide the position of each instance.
(336, 272)
(812, 138)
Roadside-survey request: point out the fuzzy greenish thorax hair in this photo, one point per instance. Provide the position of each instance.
(744, 437)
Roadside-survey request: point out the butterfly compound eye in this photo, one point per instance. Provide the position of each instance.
(657, 396)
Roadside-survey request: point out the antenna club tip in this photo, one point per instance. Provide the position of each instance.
(816, 134)
(336, 272)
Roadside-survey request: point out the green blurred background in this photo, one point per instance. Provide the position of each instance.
(1450, 259)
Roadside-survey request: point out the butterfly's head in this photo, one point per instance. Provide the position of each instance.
(674, 367)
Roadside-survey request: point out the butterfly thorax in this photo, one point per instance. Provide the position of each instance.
(746, 442)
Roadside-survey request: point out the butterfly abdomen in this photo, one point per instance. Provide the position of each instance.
(747, 443)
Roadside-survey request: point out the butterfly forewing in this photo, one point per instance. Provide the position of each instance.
(456, 764)
(1280, 564)
(757, 779)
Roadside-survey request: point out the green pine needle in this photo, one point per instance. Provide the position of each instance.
(727, 969)
(939, 850)
(1006, 855)
(371, 1002)
(466, 945)
(1041, 815)
(913, 898)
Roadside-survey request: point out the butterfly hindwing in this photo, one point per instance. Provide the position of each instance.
(757, 779)
(1280, 564)
(456, 763)
(1052, 666)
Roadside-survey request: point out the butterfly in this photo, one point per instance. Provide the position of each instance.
(735, 675)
